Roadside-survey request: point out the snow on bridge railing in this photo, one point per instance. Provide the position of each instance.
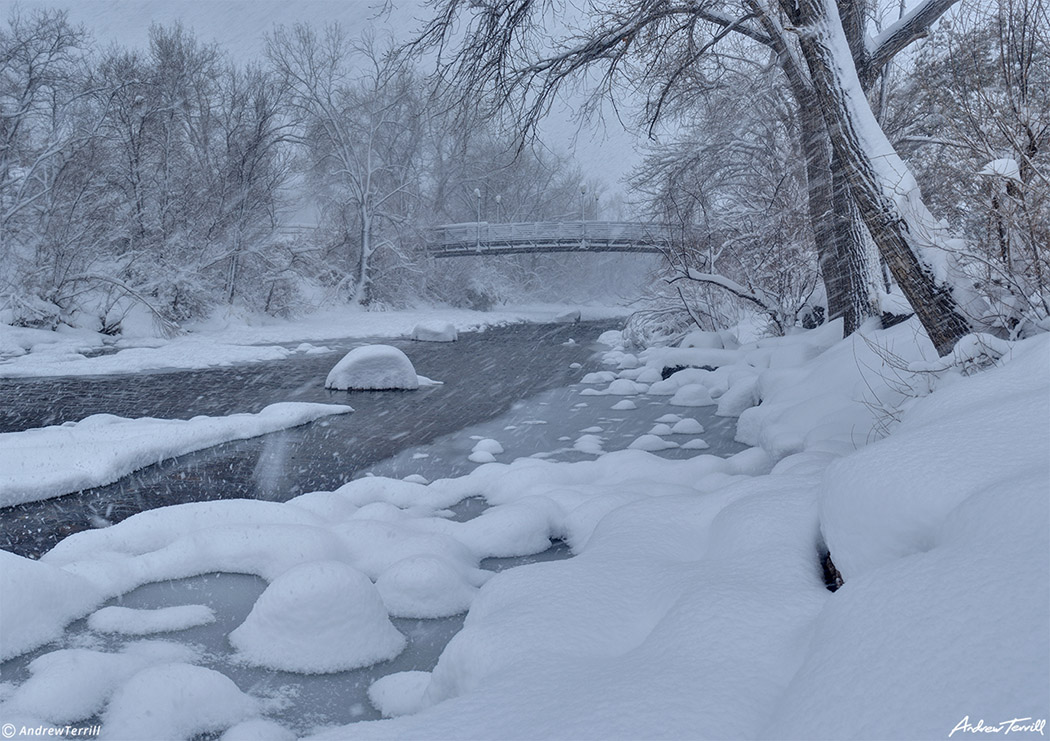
(475, 238)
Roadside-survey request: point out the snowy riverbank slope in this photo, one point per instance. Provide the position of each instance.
(694, 606)
(234, 338)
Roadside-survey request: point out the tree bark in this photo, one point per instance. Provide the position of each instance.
(883, 189)
(857, 298)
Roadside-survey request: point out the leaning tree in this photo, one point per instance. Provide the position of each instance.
(508, 50)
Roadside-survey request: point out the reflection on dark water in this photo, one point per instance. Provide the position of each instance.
(483, 374)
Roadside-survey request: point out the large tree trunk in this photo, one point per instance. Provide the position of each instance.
(858, 298)
(883, 188)
(850, 276)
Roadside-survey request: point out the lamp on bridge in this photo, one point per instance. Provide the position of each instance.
(477, 194)
(583, 203)
(499, 200)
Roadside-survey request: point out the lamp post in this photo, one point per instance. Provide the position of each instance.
(499, 200)
(583, 202)
(477, 194)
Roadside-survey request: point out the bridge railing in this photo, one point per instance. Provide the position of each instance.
(547, 235)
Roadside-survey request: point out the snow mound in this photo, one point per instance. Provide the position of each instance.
(176, 701)
(425, 587)
(569, 317)
(400, 693)
(317, 618)
(669, 419)
(488, 445)
(660, 429)
(624, 387)
(39, 600)
(687, 426)
(598, 377)
(695, 444)
(702, 339)
(481, 456)
(591, 444)
(651, 443)
(373, 367)
(435, 331)
(692, 395)
(114, 619)
(624, 405)
(74, 683)
(741, 395)
(258, 729)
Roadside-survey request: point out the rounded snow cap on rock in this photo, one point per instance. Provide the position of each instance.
(317, 618)
(425, 587)
(375, 368)
(435, 331)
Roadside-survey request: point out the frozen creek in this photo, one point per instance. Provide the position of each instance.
(482, 374)
(562, 424)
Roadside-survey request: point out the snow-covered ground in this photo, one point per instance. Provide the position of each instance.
(51, 461)
(234, 338)
(693, 607)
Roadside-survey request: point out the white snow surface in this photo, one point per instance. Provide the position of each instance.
(693, 606)
(400, 693)
(176, 701)
(116, 619)
(435, 331)
(318, 617)
(51, 461)
(232, 337)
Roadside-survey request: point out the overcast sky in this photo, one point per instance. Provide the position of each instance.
(605, 152)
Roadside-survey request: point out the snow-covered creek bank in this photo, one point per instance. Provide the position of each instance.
(483, 374)
(693, 606)
(570, 423)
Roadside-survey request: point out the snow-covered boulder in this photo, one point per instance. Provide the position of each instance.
(425, 587)
(702, 339)
(488, 445)
(435, 331)
(40, 601)
(318, 617)
(692, 395)
(623, 387)
(687, 426)
(651, 443)
(400, 693)
(176, 701)
(373, 367)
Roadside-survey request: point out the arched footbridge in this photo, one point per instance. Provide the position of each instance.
(483, 238)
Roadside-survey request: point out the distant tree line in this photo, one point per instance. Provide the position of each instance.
(173, 180)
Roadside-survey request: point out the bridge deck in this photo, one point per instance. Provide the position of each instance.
(482, 238)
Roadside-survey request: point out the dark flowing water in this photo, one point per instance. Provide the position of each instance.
(483, 374)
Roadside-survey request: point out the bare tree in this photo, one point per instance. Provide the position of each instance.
(507, 52)
(359, 112)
